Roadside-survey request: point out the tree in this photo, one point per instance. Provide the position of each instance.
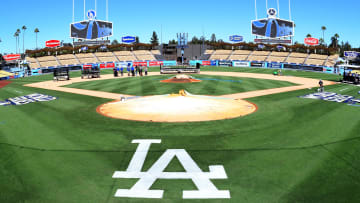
(16, 35)
(213, 38)
(321, 41)
(154, 39)
(335, 41)
(323, 28)
(114, 42)
(137, 40)
(308, 35)
(24, 28)
(195, 40)
(36, 33)
(173, 41)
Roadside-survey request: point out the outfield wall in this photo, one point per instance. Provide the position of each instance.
(272, 65)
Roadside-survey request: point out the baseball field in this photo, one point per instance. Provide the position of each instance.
(291, 149)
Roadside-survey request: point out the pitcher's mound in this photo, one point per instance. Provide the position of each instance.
(181, 79)
(182, 107)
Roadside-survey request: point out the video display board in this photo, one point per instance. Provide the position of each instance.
(273, 28)
(92, 29)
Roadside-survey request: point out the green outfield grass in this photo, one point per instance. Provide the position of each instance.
(151, 85)
(290, 150)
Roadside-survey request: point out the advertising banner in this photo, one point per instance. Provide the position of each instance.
(123, 64)
(52, 43)
(214, 63)
(257, 64)
(351, 54)
(311, 41)
(275, 65)
(128, 39)
(110, 65)
(236, 38)
(194, 62)
(102, 65)
(241, 64)
(328, 70)
(225, 63)
(169, 63)
(88, 66)
(206, 63)
(273, 41)
(292, 66)
(155, 63)
(142, 63)
(12, 57)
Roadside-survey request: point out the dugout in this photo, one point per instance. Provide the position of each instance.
(351, 74)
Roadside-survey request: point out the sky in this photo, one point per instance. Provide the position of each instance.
(168, 17)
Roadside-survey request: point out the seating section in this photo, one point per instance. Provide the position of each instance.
(32, 63)
(298, 58)
(106, 57)
(241, 55)
(125, 56)
(86, 58)
(315, 59)
(48, 61)
(331, 61)
(68, 59)
(277, 57)
(221, 55)
(238, 57)
(144, 55)
(259, 56)
(209, 52)
(156, 52)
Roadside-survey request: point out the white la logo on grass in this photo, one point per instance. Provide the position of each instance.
(206, 189)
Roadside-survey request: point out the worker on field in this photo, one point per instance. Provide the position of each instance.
(321, 84)
(128, 69)
(146, 70)
(122, 71)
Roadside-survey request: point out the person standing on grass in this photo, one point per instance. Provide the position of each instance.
(146, 70)
(128, 69)
(122, 71)
(321, 84)
(133, 71)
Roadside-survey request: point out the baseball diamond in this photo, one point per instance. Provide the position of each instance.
(179, 101)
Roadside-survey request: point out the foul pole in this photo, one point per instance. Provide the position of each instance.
(84, 9)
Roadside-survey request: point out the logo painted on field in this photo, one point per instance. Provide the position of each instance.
(334, 97)
(141, 189)
(32, 98)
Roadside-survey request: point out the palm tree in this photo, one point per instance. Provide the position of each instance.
(36, 33)
(24, 28)
(16, 35)
(336, 36)
(323, 28)
(308, 35)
